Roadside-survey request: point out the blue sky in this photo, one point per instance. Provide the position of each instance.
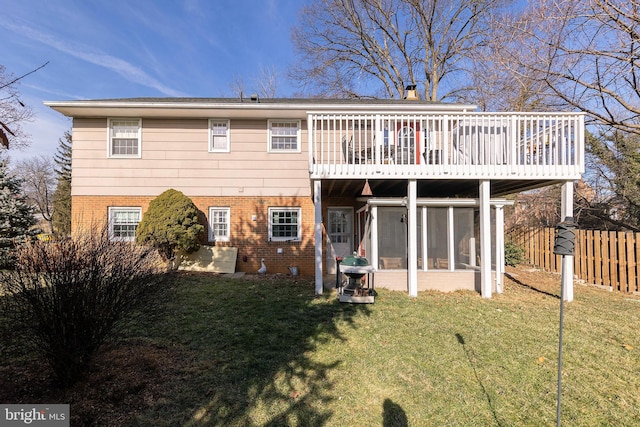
(121, 49)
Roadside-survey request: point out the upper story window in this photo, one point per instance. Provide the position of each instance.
(218, 135)
(285, 224)
(219, 224)
(123, 222)
(124, 137)
(284, 136)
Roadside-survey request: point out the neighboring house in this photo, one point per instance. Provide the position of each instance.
(288, 180)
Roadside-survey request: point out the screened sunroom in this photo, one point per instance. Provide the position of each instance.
(447, 242)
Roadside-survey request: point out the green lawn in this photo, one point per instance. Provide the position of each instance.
(266, 352)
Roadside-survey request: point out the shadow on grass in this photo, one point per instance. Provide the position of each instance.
(472, 362)
(393, 415)
(533, 288)
(248, 351)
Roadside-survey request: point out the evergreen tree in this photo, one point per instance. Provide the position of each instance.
(62, 195)
(63, 156)
(16, 216)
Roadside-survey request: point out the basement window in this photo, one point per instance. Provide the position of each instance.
(219, 224)
(285, 224)
(123, 222)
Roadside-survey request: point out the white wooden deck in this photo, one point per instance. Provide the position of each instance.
(547, 146)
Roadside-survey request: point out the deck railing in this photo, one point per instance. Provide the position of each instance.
(453, 145)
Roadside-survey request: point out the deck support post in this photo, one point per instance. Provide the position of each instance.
(567, 260)
(412, 229)
(485, 239)
(317, 234)
(373, 257)
(499, 248)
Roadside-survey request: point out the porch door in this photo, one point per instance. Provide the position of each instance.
(408, 138)
(339, 236)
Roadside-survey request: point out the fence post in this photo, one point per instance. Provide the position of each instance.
(631, 262)
(606, 275)
(597, 260)
(613, 260)
(622, 261)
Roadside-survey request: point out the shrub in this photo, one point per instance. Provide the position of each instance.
(170, 224)
(70, 294)
(513, 254)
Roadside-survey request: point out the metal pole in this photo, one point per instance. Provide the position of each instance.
(560, 349)
(564, 245)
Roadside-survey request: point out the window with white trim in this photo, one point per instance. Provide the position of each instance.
(284, 136)
(219, 135)
(285, 224)
(124, 137)
(219, 224)
(123, 222)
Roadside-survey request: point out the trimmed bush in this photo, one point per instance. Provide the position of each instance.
(70, 294)
(170, 224)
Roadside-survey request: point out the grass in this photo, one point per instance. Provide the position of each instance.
(266, 352)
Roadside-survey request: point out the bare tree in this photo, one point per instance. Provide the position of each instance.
(587, 53)
(499, 76)
(536, 208)
(357, 48)
(267, 82)
(237, 86)
(584, 55)
(13, 112)
(39, 183)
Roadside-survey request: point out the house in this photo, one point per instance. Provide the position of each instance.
(416, 187)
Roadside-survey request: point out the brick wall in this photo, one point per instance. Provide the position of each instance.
(247, 234)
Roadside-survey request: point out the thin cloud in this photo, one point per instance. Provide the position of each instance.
(127, 70)
(48, 91)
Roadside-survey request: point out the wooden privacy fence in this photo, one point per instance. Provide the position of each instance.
(603, 258)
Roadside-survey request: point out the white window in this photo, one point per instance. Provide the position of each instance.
(285, 224)
(284, 136)
(218, 135)
(123, 223)
(124, 137)
(219, 224)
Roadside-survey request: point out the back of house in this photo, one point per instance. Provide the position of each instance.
(282, 180)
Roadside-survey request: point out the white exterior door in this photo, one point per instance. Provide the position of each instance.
(340, 235)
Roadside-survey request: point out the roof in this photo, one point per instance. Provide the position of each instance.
(252, 107)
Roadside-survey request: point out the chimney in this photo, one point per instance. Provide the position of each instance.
(412, 93)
